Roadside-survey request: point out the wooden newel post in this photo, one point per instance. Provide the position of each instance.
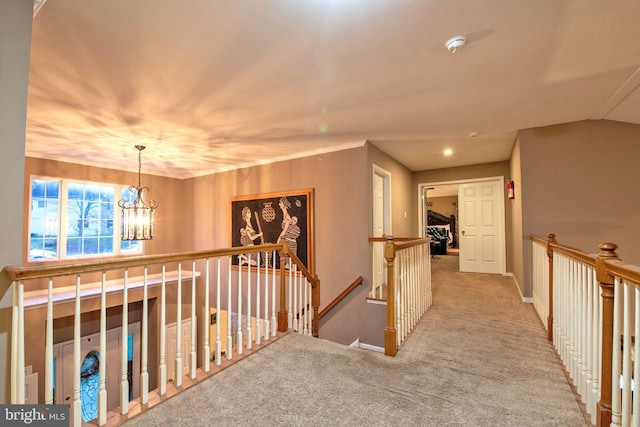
(607, 253)
(551, 239)
(315, 303)
(283, 324)
(390, 333)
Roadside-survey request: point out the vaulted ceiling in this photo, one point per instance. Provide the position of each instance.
(212, 85)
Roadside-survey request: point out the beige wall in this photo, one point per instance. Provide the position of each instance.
(517, 239)
(580, 181)
(172, 221)
(404, 194)
(342, 203)
(15, 44)
(470, 173)
(443, 205)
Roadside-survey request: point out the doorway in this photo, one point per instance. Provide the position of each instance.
(381, 219)
(480, 222)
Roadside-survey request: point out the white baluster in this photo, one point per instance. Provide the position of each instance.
(615, 359)
(239, 343)
(290, 319)
(48, 364)
(17, 345)
(194, 322)
(218, 349)
(307, 306)
(249, 305)
(178, 371)
(76, 407)
(163, 333)
(102, 364)
(266, 296)
(124, 380)
(273, 296)
(296, 303)
(626, 353)
(206, 351)
(229, 338)
(636, 359)
(258, 331)
(144, 356)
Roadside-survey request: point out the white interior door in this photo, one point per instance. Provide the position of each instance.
(381, 224)
(481, 219)
(185, 348)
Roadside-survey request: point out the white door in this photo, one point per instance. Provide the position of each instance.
(481, 220)
(381, 226)
(185, 348)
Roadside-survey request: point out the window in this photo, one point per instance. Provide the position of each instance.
(71, 219)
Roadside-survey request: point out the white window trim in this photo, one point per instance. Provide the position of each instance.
(62, 221)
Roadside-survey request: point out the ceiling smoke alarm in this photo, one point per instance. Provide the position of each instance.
(455, 42)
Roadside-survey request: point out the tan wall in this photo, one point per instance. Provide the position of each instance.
(404, 194)
(443, 205)
(517, 239)
(470, 173)
(16, 18)
(172, 220)
(580, 181)
(341, 188)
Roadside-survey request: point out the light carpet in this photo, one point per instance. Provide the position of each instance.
(479, 357)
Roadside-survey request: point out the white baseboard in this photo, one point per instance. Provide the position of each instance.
(358, 344)
(527, 300)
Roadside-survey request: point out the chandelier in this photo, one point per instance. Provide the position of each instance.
(137, 216)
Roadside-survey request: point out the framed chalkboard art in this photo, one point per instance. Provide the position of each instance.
(274, 218)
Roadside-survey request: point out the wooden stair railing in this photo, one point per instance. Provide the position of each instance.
(340, 297)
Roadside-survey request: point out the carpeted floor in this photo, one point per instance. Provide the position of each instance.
(478, 358)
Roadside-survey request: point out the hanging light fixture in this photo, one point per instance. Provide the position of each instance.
(137, 216)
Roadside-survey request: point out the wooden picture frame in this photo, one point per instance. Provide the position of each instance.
(269, 214)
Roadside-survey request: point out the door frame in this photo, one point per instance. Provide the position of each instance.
(377, 252)
(501, 210)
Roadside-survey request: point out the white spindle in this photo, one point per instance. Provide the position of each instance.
(239, 343)
(307, 306)
(163, 333)
(258, 330)
(48, 364)
(615, 362)
(194, 322)
(124, 380)
(206, 352)
(266, 295)
(17, 345)
(296, 305)
(229, 338)
(76, 407)
(290, 319)
(144, 356)
(626, 353)
(218, 349)
(102, 365)
(636, 351)
(178, 371)
(249, 345)
(273, 296)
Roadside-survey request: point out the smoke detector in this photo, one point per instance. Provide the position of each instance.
(454, 43)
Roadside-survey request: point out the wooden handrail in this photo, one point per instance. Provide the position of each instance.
(395, 239)
(340, 297)
(23, 273)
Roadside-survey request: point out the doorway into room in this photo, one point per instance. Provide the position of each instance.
(478, 224)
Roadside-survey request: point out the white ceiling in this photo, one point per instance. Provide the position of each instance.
(212, 85)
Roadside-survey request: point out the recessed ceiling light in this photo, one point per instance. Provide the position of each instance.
(448, 152)
(473, 134)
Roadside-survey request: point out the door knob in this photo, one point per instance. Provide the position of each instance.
(463, 232)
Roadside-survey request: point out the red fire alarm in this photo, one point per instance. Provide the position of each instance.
(510, 189)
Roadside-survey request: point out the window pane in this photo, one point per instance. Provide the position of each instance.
(106, 245)
(74, 246)
(75, 191)
(91, 245)
(53, 188)
(43, 219)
